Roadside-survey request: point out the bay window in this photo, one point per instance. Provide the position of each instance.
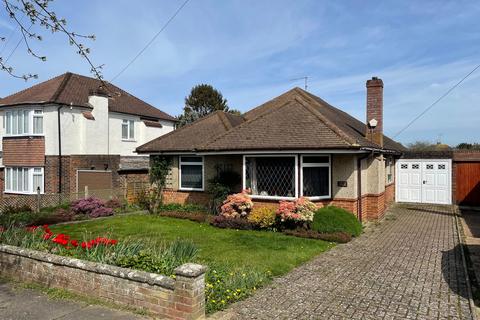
(19, 122)
(287, 176)
(191, 173)
(128, 129)
(23, 180)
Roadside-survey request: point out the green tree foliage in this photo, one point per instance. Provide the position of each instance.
(203, 100)
(159, 168)
(468, 146)
(427, 146)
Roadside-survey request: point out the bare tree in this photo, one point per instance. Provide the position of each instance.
(38, 13)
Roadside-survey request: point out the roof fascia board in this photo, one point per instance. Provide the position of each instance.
(324, 151)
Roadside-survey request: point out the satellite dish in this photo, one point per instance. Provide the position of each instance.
(373, 123)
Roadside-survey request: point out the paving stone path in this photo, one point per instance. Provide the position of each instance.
(408, 267)
(26, 304)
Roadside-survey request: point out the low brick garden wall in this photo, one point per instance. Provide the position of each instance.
(162, 296)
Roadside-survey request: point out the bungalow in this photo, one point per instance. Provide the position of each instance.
(294, 145)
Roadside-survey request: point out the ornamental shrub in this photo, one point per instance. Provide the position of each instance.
(101, 212)
(237, 205)
(333, 219)
(263, 217)
(232, 223)
(93, 207)
(297, 211)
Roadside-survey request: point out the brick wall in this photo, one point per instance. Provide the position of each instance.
(373, 206)
(24, 151)
(52, 174)
(389, 194)
(182, 197)
(164, 297)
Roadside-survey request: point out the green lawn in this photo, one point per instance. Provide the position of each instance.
(259, 250)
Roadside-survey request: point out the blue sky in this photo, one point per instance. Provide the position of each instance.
(251, 49)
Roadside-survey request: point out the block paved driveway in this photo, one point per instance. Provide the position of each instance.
(407, 267)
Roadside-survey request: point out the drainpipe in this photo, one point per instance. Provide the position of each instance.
(59, 152)
(359, 186)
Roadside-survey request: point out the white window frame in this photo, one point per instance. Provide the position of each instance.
(129, 123)
(38, 115)
(270, 156)
(315, 165)
(30, 112)
(30, 173)
(180, 163)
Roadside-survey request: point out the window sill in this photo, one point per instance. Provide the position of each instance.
(319, 198)
(27, 193)
(191, 189)
(129, 140)
(23, 135)
(271, 197)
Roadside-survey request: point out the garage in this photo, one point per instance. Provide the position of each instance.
(94, 180)
(424, 181)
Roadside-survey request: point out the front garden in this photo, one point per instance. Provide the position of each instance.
(243, 245)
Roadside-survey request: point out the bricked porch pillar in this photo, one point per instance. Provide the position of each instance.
(189, 292)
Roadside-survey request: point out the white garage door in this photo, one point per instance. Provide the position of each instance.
(424, 181)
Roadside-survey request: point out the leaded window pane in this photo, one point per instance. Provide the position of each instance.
(271, 176)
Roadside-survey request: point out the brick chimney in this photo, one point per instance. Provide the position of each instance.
(375, 111)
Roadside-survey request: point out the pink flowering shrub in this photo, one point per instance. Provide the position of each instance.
(93, 207)
(237, 205)
(299, 210)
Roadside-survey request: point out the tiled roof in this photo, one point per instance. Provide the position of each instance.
(70, 88)
(296, 120)
(189, 137)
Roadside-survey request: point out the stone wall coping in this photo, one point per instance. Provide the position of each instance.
(190, 270)
(124, 273)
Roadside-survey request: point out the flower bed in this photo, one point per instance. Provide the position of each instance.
(81, 209)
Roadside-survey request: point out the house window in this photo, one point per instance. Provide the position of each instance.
(388, 170)
(271, 176)
(316, 176)
(191, 173)
(23, 180)
(128, 129)
(37, 122)
(17, 122)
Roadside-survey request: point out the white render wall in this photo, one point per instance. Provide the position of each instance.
(100, 136)
(143, 134)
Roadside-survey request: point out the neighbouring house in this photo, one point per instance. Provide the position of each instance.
(294, 145)
(74, 131)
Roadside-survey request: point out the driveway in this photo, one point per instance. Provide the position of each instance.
(407, 267)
